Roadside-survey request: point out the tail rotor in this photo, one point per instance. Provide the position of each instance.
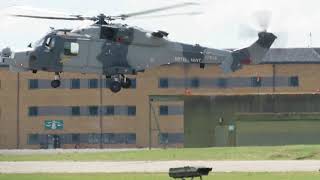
(262, 22)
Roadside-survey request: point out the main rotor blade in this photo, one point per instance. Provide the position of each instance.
(169, 15)
(76, 18)
(125, 16)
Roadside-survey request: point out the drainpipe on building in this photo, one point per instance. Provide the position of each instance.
(273, 78)
(150, 125)
(100, 111)
(18, 111)
(273, 87)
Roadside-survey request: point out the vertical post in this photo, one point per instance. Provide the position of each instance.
(310, 36)
(100, 110)
(150, 125)
(273, 87)
(273, 78)
(18, 110)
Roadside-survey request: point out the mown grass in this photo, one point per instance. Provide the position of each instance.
(302, 152)
(213, 176)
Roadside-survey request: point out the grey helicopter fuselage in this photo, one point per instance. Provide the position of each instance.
(112, 50)
(116, 50)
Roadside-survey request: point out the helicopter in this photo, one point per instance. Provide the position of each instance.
(118, 50)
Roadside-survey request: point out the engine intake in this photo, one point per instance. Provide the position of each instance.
(160, 34)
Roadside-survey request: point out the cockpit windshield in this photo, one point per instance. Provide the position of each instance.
(38, 43)
(50, 42)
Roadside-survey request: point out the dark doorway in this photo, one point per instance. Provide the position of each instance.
(53, 141)
(56, 142)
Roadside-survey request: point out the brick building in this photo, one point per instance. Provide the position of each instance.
(84, 113)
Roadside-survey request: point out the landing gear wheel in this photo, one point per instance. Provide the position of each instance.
(115, 86)
(126, 83)
(55, 83)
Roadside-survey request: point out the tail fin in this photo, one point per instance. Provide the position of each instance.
(253, 54)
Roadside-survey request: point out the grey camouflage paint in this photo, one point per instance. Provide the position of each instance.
(130, 50)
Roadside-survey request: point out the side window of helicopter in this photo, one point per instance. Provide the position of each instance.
(71, 48)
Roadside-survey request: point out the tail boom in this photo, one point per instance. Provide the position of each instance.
(253, 54)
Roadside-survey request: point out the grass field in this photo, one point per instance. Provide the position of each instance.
(230, 153)
(219, 176)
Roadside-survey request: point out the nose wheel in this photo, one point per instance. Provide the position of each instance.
(115, 86)
(56, 82)
(119, 82)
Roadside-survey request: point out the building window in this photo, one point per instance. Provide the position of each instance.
(163, 83)
(222, 82)
(294, 81)
(107, 83)
(133, 83)
(75, 83)
(75, 138)
(256, 81)
(110, 110)
(93, 83)
(75, 111)
(131, 110)
(33, 139)
(93, 110)
(33, 84)
(108, 138)
(125, 138)
(94, 138)
(171, 138)
(131, 139)
(195, 83)
(171, 110)
(164, 110)
(164, 138)
(33, 111)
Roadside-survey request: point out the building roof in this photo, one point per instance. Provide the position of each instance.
(293, 55)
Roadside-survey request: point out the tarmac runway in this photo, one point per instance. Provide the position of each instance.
(156, 166)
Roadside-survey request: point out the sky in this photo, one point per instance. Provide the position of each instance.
(221, 24)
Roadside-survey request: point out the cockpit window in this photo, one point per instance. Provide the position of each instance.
(50, 42)
(71, 48)
(38, 43)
